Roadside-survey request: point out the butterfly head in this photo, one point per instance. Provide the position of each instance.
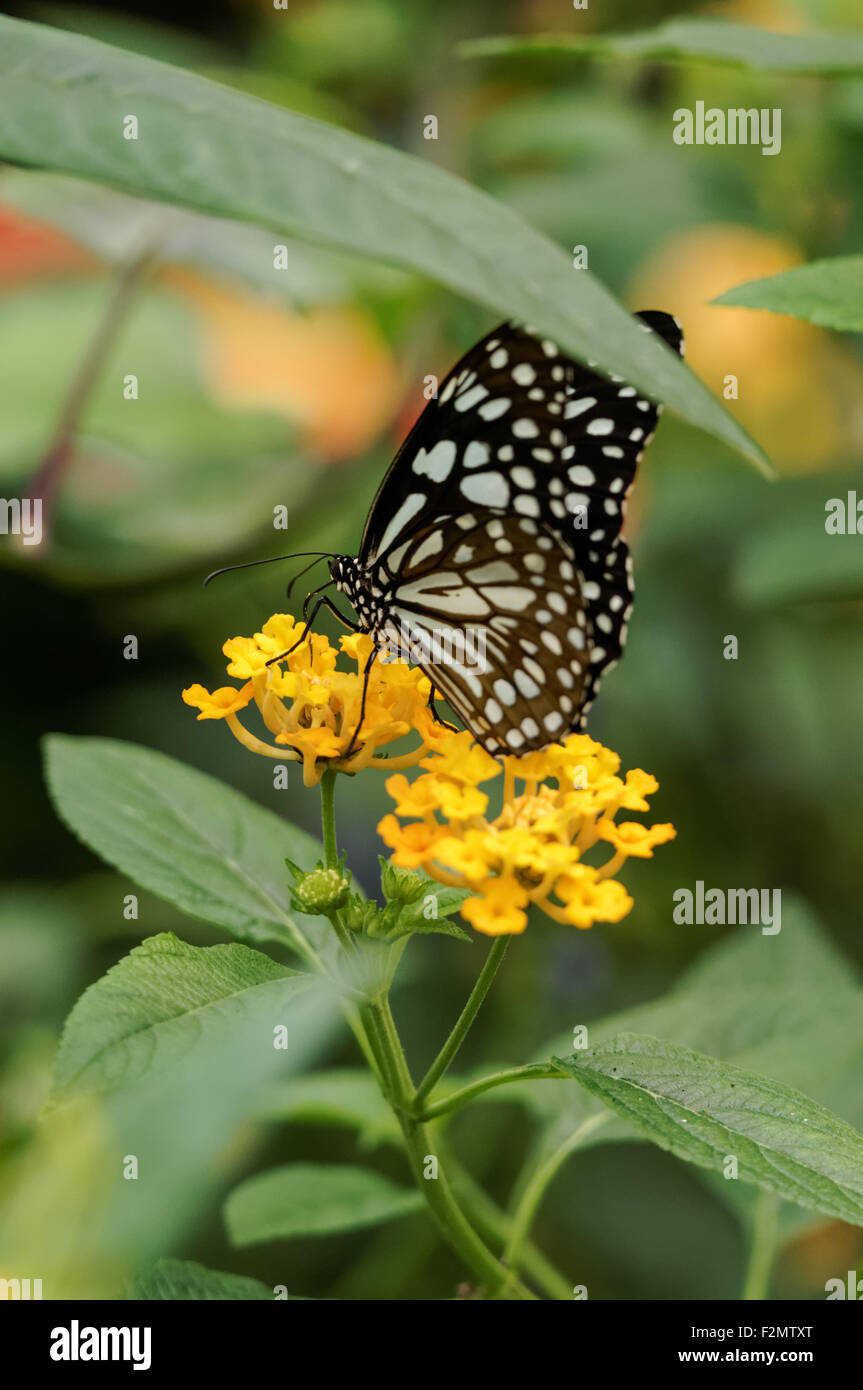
(350, 580)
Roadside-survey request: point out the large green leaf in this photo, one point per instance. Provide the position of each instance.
(703, 1111)
(309, 1200)
(740, 993)
(829, 293)
(159, 1003)
(347, 1097)
(684, 40)
(182, 834)
(113, 225)
(743, 993)
(185, 1280)
(207, 147)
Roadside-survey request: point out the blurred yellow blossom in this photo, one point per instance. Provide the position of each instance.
(557, 805)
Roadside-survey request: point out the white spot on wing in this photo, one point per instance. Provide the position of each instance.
(436, 465)
(406, 512)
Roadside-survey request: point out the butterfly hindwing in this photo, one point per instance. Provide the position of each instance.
(490, 607)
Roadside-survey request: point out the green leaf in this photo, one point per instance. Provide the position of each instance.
(829, 293)
(305, 1199)
(185, 1280)
(412, 921)
(347, 1097)
(793, 559)
(114, 225)
(161, 1002)
(683, 40)
(703, 1110)
(746, 991)
(65, 99)
(824, 1059)
(743, 991)
(182, 834)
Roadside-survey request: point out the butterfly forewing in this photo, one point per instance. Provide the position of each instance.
(500, 407)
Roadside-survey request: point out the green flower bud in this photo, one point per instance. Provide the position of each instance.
(401, 885)
(323, 890)
(359, 914)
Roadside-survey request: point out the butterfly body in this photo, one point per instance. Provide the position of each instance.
(492, 553)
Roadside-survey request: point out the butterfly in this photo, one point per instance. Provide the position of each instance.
(492, 551)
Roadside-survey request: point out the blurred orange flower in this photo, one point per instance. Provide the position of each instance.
(327, 369)
(797, 389)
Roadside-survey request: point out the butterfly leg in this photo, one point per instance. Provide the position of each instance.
(366, 674)
(435, 716)
(323, 602)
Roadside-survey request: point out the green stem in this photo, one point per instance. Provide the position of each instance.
(763, 1247)
(328, 819)
(451, 1220)
(465, 1019)
(454, 1226)
(383, 1048)
(128, 282)
(537, 1184)
(331, 850)
(377, 1043)
(465, 1094)
(407, 1091)
(494, 1226)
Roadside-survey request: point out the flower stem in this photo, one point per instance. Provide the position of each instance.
(432, 1179)
(537, 1184)
(328, 819)
(464, 1021)
(384, 1050)
(331, 849)
(128, 281)
(494, 1225)
(499, 1078)
(762, 1248)
(496, 1279)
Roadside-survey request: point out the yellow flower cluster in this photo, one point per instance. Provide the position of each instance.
(312, 709)
(557, 805)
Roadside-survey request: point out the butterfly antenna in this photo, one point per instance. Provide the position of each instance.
(300, 574)
(250, 564)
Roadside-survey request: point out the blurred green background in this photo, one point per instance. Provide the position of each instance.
(254, 395)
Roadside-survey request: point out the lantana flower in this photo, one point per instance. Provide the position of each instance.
(558, 805)
(312, 708)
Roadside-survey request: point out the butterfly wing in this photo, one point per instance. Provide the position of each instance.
(518, 425)
(520, 432)
(504, 398)
(490, 607)
(610, 426)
